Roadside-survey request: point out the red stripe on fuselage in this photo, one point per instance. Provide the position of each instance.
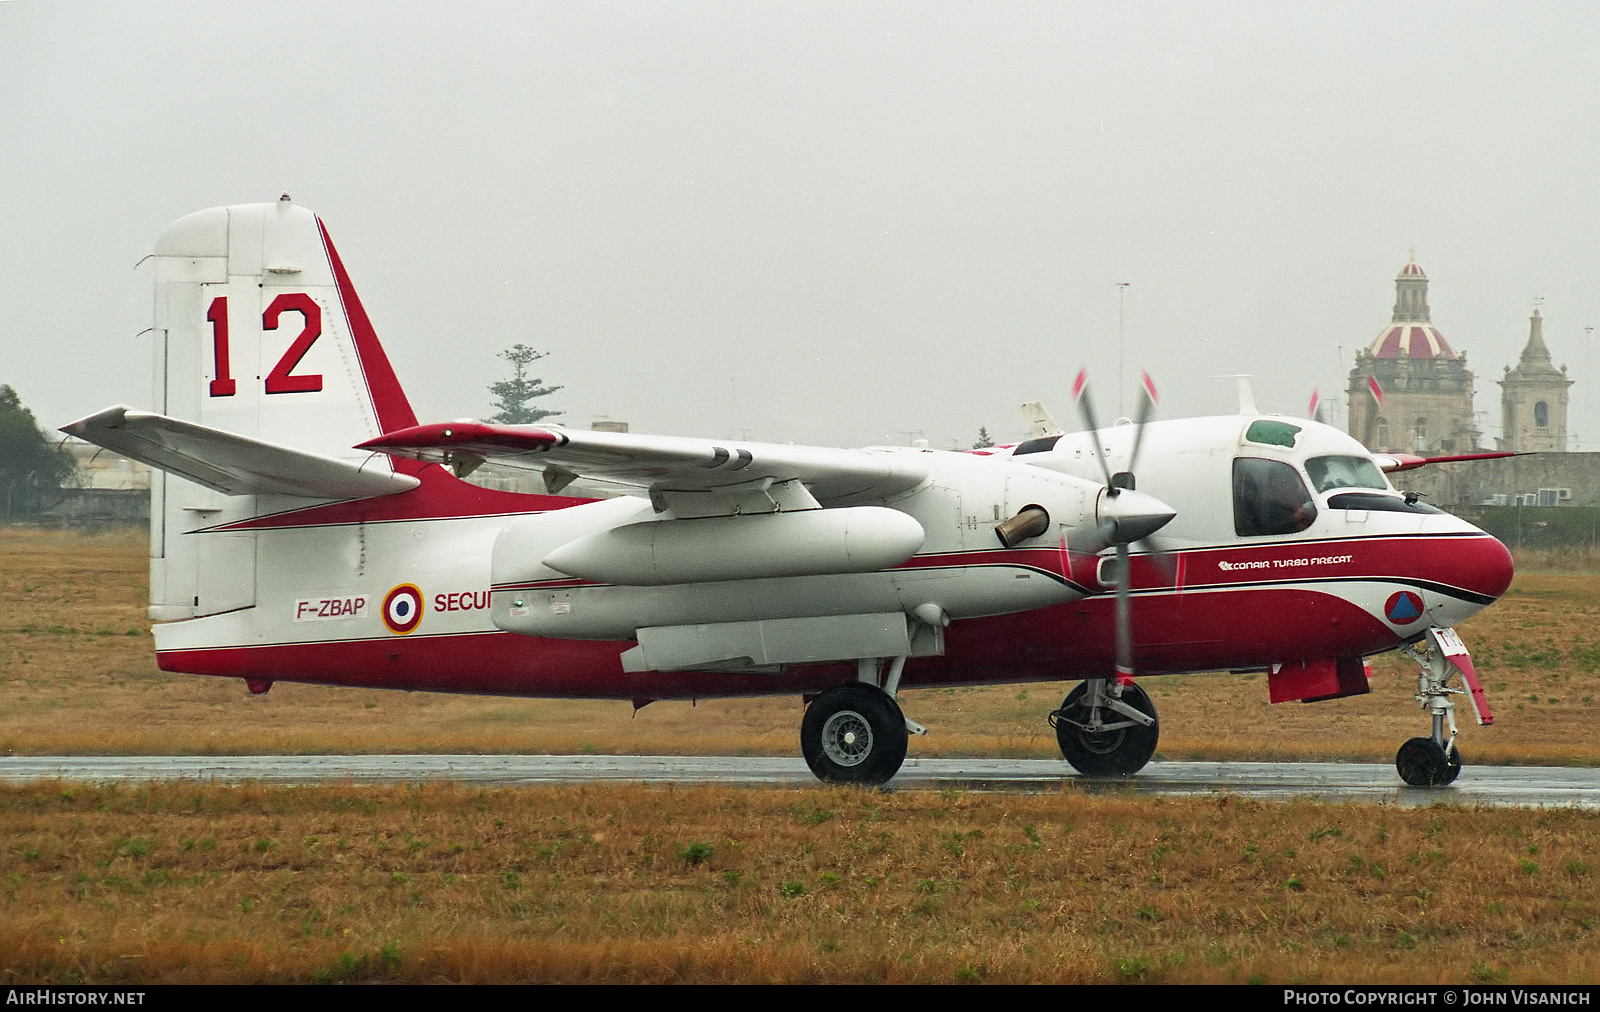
(1471, 561)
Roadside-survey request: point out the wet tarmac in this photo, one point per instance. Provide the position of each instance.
(1334, 782)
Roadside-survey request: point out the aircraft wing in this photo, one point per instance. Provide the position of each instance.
(693, 477)
(232, 464)
(1395, 462)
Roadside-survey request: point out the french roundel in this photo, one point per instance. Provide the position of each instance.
(402, 609)
(1403, 607)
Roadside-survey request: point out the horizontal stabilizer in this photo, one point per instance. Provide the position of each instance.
(231, 464)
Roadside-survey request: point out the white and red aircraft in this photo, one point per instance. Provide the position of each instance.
(306, 528)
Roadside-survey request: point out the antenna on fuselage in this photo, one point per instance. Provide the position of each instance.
(1247, 399)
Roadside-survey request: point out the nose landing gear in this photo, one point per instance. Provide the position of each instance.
(1435, 761)
(1106, 729)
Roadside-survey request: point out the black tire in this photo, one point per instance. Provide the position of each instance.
(1119, 753)
(854, 734)
(1422, 763)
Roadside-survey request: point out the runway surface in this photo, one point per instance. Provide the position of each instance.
(1365, 782)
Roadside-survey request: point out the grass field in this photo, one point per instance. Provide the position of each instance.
(190, 883)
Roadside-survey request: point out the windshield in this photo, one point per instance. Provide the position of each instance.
(1344, 472)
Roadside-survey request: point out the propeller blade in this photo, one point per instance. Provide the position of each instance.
(1147, 405)
(1080, 393)
(1124, 618)
(1165, 562)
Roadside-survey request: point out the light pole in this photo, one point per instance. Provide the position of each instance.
(1588, 354)
(1122, 292)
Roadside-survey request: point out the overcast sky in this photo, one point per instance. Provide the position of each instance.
(841, 223)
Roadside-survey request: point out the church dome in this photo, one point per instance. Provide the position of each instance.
(1410, 334)
(1411, 340)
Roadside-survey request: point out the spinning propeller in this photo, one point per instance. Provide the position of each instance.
(1125, 514)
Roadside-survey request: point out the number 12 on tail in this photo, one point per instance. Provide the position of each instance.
(282, 379)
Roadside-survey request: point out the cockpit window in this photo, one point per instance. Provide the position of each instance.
(1271, 432)
(1328, 473)
(1269, 498)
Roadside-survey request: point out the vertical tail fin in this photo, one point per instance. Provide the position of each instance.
(258, 333)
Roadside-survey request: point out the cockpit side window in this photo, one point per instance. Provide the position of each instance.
(1329, 473)
(1269, 498)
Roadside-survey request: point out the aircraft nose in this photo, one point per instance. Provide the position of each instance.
(1493, 567)
(1481, 566)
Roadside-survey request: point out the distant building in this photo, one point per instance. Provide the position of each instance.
(1423, 404)
(1533, 398)
(1410, 391)
(99, 468)
(103, 488)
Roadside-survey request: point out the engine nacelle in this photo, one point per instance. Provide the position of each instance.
(857, 539)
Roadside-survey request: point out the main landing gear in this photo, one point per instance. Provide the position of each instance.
(1435, 761)
(1106, 729)
(855, 733)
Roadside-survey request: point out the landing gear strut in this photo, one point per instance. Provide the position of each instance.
(1106, 730)
(1435, 761)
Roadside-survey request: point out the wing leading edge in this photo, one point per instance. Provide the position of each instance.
(677, 472)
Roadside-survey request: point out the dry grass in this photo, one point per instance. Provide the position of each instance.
(187, 883)
(77, 676)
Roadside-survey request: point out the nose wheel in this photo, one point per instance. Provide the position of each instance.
(1423, 763)
(1105, 729)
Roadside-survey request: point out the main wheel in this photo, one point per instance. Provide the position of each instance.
(1118, 753)
(854, 734)
(1422, 763)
